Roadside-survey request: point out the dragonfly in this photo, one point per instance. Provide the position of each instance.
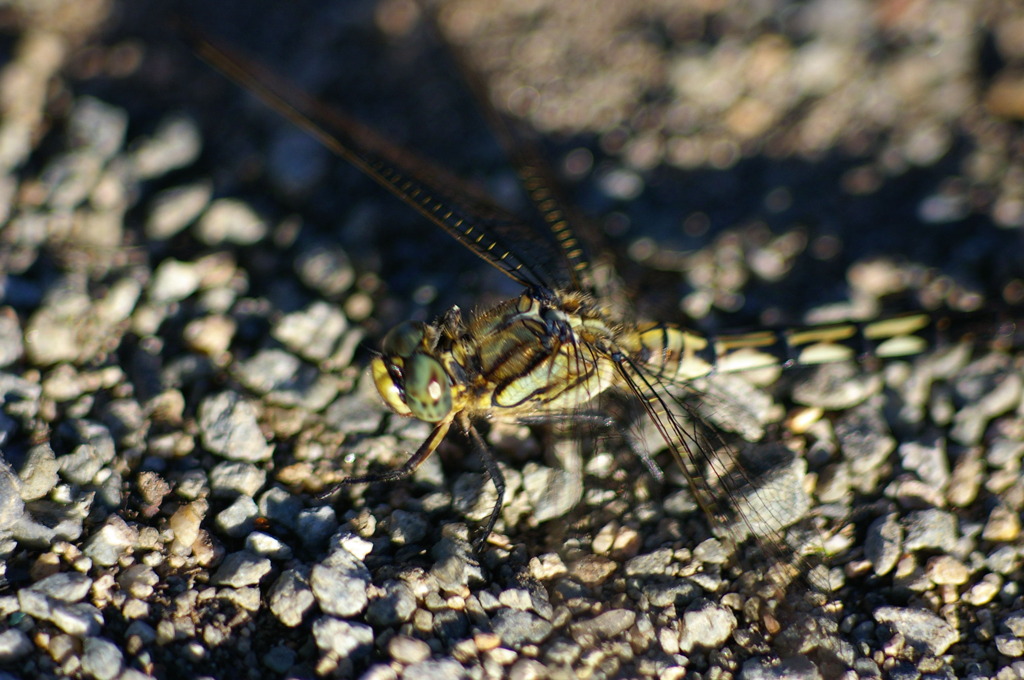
(552, 352)
(565, 342)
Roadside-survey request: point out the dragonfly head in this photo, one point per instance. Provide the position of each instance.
(409, 379)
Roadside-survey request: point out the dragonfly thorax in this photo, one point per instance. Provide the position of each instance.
(538, 353)
(409, 379)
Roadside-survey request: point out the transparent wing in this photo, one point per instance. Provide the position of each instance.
(759, 496)
(502, 239)
(535, 174)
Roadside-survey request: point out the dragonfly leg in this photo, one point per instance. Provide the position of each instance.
(407, 469)
(597, 419)
(589, 417)
(494, 472)
(640, 451)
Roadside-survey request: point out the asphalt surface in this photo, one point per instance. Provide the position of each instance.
(191, 290)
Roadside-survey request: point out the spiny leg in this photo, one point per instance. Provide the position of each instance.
(408, 468)
(493, 471)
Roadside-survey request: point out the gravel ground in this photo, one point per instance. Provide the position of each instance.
(189, 288)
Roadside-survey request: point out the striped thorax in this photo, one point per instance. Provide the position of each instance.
(536, 354)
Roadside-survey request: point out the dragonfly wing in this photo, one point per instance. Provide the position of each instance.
(573, 237)
(502, 239)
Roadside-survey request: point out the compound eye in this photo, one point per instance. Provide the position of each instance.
(403, 339)
(428, 390)
(389, 385)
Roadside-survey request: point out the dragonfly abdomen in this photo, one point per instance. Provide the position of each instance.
(679, 354)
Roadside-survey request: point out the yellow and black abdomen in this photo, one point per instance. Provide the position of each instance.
(678, 354)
